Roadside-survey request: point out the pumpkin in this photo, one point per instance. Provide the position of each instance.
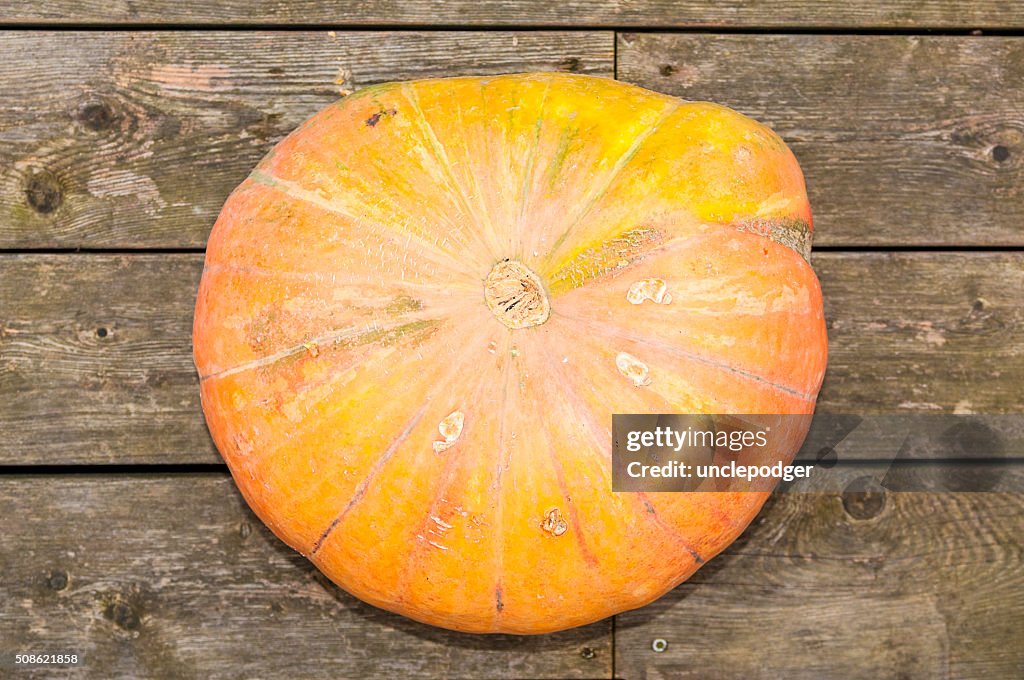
(420, 310)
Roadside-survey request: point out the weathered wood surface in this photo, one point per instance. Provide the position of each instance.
(134, 139)
(96, 366)
(137, 140)
(903, 140)
(968, 14)
(854, 585)
(95, 357)
(173, 577)
(864, 583)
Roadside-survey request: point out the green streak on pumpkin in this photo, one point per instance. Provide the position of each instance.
(605, 258)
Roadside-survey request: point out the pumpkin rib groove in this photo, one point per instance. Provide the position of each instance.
(444, 164)
(707, 230)
(593, 426)
(604, 444)
(577, 526)
(648, 507)
(499, 505)
(620, 163)
(451, 465)
(329, 420)
(309, 426)
(403, 435)
(531, 163)
(495, 229)
(365, 482)
(298, 193)
(440, 387)
(651, 514)
(317, 276)
(685, 354)
(640, 506)
(486, 223)
(362, 150)
(336, 335)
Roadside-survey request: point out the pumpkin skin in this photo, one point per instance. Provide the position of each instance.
(383, 418)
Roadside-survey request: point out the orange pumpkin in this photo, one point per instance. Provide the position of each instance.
(420, 310)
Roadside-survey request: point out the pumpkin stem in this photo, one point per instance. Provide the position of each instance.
(515, 295)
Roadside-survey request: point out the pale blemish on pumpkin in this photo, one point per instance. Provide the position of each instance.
(777, 203)
(655, 290)
(451, 429)
(243, 447)
(632, 368)
(433, 543)
(293, 412)
(554, 523)
(441, 524)
(258, 331)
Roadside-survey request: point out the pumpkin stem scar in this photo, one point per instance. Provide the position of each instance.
(515, 295)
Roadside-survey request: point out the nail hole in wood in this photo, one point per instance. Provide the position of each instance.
(57, 580)
(863, 498)
(123, 615)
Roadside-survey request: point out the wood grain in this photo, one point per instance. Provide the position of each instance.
(904, 140)
(96, 365)
(608, 13)
(173, 577)
(861, 584)
(137, 140)
(95, 358)
(857, 584)
(134, 139)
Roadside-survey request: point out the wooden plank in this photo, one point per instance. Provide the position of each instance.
(143, 585)
(96, 367)
(904, 140)
(95, 358)
(909, 332)
(134, 139)
(853, 585)
(606, 13)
